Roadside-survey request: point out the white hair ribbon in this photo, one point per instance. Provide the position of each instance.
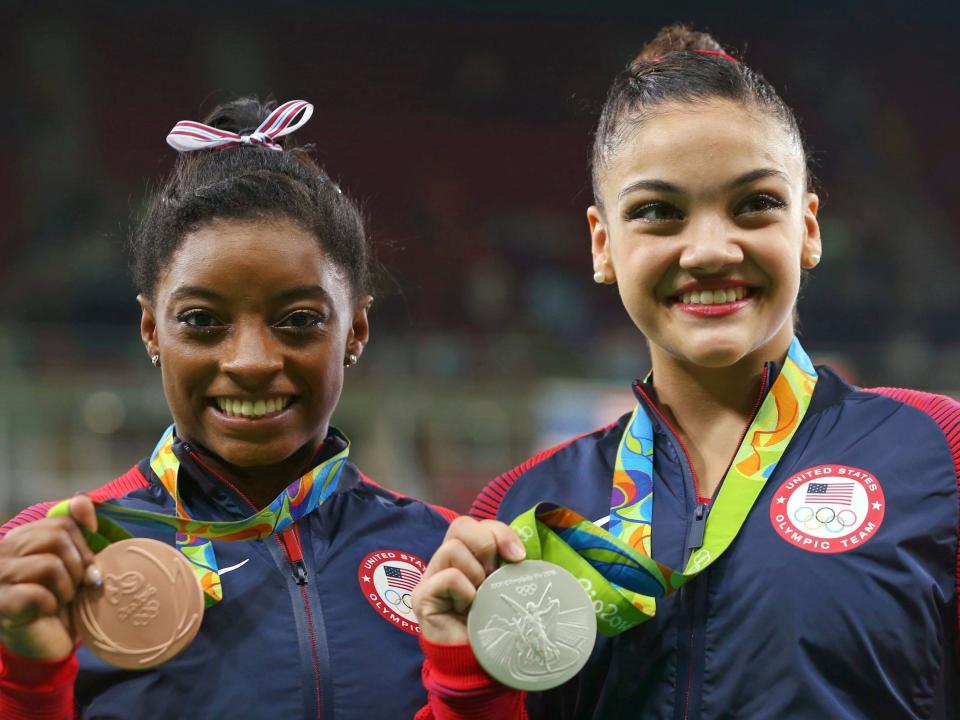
(188, 135)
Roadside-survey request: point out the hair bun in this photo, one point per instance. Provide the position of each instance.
(241, 116)
(675, 38)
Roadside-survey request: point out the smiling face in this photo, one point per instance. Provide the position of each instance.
(252, 323)
(705, 224)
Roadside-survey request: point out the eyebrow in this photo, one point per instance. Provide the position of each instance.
(666, 187)
(195, 291)
(303, 291)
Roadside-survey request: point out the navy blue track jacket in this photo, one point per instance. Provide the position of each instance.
(314, 623)
(795, 620)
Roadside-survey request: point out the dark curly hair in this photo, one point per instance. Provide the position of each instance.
(680, 65)
(248, 181)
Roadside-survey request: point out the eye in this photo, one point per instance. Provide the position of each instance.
(302, 320)
(199, 320)
(655, 212)
(762, 202)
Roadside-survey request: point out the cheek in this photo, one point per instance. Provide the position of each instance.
(324, 375)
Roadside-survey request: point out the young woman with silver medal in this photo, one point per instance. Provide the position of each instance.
(758, 538)
(254, 277)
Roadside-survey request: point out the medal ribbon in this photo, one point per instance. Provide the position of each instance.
(615, 566)
(300, 498)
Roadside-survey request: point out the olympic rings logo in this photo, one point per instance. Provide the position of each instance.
(825, 517)
(403, 603)
(526, 590)
(525, 532)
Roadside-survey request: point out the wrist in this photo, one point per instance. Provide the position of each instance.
(454, 665)
(41, 674)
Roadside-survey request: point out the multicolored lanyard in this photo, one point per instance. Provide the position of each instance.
(300, 498)
(616, 566)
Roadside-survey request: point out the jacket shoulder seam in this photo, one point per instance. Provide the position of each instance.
(446, 513)
(131, 480)
(487, 503)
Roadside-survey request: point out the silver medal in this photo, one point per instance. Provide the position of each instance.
(532, 625)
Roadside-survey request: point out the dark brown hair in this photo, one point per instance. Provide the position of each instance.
(248, 182)
(671, 68)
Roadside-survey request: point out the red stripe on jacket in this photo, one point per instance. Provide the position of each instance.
(944, 411)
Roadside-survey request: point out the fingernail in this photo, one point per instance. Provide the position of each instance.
(517, 551)
(93, 576)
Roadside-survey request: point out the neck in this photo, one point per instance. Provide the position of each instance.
(260, 485)
(710, 407)
(696, 395)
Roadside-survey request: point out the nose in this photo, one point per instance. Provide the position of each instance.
(253, 356)
(710, 246)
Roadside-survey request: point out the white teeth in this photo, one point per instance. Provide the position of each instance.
(234, 407)
(714, 297)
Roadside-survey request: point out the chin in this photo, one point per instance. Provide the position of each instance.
(715, 355)
(251, 455)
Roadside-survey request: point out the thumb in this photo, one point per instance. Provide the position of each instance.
(83, 512)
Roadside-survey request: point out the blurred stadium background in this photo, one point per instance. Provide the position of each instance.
(464, 128)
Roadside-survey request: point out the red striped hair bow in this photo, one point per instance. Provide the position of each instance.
(188, 135)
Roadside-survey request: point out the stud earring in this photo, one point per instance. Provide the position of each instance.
(155, 359)
(351, 359)
(599, 277)
(813, 260)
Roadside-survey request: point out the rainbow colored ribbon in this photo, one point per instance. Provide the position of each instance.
(300, 498)
(616, 566)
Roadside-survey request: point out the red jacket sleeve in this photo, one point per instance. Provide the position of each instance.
(459, 689)
(36, 689)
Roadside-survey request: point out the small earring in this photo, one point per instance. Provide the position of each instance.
(599, 277)
(155, 359)
(813, 260)
(351, 359)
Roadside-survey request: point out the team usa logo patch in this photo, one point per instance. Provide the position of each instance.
(828, 508)
(387, 579)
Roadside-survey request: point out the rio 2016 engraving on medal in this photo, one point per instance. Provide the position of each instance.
(532, 625)
(149, 607)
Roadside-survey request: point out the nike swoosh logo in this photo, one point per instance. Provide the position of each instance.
(224, 571)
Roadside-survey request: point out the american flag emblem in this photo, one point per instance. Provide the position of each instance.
(401, 578)
(835, 493)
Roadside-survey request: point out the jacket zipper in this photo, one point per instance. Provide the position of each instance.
(701, 511)
(289, 541)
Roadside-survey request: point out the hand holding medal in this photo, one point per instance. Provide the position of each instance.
(147, 605)
(531, 625)
(42, 566)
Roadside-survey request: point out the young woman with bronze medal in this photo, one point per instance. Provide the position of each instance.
(246, 568)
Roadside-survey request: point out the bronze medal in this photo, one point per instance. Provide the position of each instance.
(148, 610)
